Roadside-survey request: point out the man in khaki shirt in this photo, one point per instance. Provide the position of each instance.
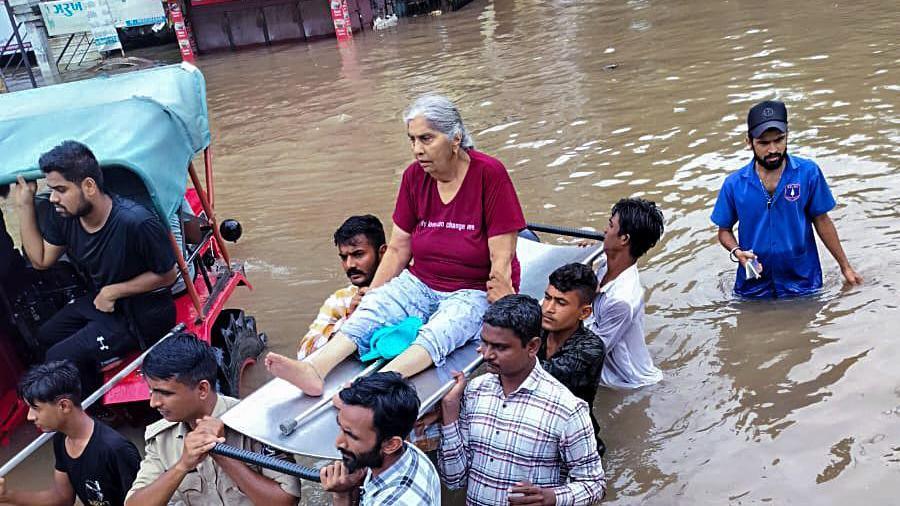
(177, 468)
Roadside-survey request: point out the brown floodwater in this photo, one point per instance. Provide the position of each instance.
(587, 102)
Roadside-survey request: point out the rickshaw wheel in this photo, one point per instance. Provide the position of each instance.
(240, 346)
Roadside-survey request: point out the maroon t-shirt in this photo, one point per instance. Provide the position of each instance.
(450, 241)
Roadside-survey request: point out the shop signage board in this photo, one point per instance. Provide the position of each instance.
(102, 25)
(64, 17)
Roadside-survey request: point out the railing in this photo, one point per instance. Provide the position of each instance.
(83, 43)
(15, 49)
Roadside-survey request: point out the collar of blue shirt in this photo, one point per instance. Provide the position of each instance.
(749, 170)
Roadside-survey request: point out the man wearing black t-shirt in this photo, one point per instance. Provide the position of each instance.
(93, 462)
(120, 246)
(570, 352)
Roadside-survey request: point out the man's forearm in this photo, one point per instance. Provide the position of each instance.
(828, 233)
(258, 488)
(345, 499)
(42, 498)
(502, 248)
(727, 239)
(453, 456)
(32, 241)
(160, 491)
(450, 412)
(142, 283)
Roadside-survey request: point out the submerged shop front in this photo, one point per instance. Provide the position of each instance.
(231, 24)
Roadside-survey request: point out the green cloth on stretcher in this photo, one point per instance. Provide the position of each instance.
(388, 342)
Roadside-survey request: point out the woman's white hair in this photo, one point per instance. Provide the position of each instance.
(442, 115)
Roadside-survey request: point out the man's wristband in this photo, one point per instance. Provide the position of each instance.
(732, 256)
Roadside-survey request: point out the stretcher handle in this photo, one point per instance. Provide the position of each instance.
(567, 231)
(436, 397)
(289, 426)
(258, 459)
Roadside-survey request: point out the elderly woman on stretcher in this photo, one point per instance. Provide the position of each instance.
(451, 253)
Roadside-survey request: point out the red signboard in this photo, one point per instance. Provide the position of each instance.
(340, 14)
(182, 32)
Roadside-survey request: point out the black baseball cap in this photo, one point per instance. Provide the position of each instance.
(766, 115)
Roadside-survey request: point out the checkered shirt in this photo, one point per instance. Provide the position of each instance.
(535, 433)
(411, 481)
(331, 316)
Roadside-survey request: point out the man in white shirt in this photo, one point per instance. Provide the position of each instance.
(634, 227)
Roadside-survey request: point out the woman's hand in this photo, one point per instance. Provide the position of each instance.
(497, 288)
(502, 248)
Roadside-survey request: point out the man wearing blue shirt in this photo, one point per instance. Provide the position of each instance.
(778, 200)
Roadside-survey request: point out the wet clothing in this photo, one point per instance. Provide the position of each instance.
(778, 227)
(451, 318)
(411, 481)
(577, 365)
(208, 485)
(618, 320)
(331, 316)
(540, 432)
(450, 241)
(130, 243)
(103, 473)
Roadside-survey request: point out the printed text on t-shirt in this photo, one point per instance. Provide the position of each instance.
(446, 224)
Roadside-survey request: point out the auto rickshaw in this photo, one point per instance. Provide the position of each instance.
(146, 129)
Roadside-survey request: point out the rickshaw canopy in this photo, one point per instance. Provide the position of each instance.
(151, 122)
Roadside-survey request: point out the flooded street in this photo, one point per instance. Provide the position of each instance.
(761, 402)
(587, 102)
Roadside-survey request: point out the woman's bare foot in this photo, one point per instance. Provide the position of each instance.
(296, 372)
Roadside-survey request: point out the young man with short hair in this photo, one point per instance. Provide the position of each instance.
(778, 199)
(93, 462)
(177, 466)
(516, 435)
(635, 226)
(375, 414)
(122, 248)
(361, 244)
(570, 352)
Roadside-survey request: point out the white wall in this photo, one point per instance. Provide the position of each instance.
(6, 28)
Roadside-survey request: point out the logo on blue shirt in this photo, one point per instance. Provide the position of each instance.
(792, 191)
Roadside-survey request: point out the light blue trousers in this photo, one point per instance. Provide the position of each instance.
(451, 318)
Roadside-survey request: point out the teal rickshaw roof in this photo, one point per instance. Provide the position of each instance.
(151, 121)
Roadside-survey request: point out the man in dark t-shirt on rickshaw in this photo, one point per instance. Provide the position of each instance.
(120, 246)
